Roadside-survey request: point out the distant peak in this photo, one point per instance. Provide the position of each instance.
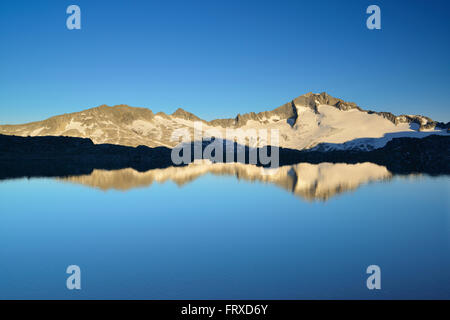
(102, 106)
(183, 114)
(121, 108)
(321, 94)
(179, 111)
(313, 100)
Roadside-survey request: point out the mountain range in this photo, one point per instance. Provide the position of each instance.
(308, 122)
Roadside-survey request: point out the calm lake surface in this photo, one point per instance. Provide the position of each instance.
(227, 232)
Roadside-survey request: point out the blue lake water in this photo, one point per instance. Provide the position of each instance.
(225, 236)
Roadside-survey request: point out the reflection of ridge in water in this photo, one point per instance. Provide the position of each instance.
(309, 181)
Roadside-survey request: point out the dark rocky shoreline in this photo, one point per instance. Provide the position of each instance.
(50, 156)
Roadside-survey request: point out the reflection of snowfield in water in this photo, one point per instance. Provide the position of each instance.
(308, 181)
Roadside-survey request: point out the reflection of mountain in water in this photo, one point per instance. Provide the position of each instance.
(309, 181)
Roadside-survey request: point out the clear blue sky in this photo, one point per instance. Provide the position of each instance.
(220, 58)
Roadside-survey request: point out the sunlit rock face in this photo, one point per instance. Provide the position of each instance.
(303, 123)
(307, 181)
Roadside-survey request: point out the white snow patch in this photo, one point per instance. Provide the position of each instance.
(142, 126)
(76, 126)
(36, 132)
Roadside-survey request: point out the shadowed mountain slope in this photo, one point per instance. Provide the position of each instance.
(65, 156)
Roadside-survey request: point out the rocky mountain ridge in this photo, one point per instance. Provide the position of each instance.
(303, 123)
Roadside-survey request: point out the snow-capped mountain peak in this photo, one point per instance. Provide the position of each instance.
(311, 121)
